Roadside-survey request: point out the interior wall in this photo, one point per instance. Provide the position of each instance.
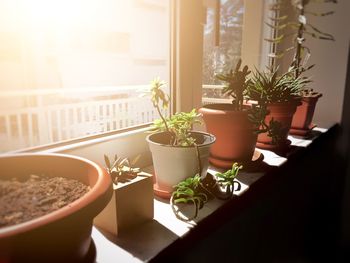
(330, 59)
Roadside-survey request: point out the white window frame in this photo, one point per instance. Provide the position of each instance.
(187, 22)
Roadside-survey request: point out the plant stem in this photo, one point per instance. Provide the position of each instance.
(297, 57)
(162, 117)
(200, 168)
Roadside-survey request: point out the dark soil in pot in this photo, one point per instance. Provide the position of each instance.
(35, 196)
(63, 235)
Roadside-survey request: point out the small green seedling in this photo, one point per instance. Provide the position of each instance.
(227, 178)
(120, 169)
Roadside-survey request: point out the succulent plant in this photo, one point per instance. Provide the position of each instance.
(227, 178)
(236, 84)
(189, 191)
(120, 169)
(269, 87)
(179, 125)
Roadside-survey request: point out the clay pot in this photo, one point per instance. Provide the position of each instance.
(173, 164)
(65, 234)
(302, 120)
(235, 137)
(283, 113)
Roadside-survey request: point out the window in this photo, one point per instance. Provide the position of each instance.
(77, 68)
(234, 29)
(222, 43)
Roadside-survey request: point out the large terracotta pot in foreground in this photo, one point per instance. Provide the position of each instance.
(283, 113)
(65, 234)
(302, 120)
(173, 164)
(235, 137)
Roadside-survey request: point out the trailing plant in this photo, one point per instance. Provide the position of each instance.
(189, 191)
(120, 169)
(195, 190)
(227, 178)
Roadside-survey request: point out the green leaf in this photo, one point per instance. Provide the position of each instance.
(107, 162)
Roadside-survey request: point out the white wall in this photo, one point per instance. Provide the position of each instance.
(330, 59)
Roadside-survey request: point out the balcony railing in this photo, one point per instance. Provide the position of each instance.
(42, 117)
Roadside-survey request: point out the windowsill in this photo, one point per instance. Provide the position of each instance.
(145, 242)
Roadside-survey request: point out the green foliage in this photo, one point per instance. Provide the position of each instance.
(157, 94)
(279, 24)
(276, 131)
(269, 87)
(236, 84)
(256, 116)
(227, 178)
(190, 191)
(120, 169)
(179, 125)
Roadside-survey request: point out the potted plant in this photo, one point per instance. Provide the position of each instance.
(281, 95)
(132, 200)
(302, 120)
(235, 125)
(177, 151)
(64, 233)
(278, 22)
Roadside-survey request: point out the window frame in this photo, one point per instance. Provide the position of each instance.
(186, 52)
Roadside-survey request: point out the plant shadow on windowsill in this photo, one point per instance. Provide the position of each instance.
(292, 149)
(143, 240)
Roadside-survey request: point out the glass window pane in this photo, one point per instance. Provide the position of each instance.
(76, 68)
(222, 43)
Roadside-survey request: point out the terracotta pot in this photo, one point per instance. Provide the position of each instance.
(302, 120)
(235, 137)
(172, 164)
(283, 113)
(65, 234)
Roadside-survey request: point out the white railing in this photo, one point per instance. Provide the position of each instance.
(81, 114)
(44, 123)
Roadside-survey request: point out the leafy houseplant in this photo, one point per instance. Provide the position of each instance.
(177, 151)
(281, 95)
(235, 125)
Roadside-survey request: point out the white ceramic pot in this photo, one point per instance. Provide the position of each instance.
(173, 164)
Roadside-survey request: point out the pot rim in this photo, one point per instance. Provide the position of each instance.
(205, 134)
(97, 191)
(209, 108)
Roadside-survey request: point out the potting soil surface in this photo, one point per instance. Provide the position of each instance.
(21, 201)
